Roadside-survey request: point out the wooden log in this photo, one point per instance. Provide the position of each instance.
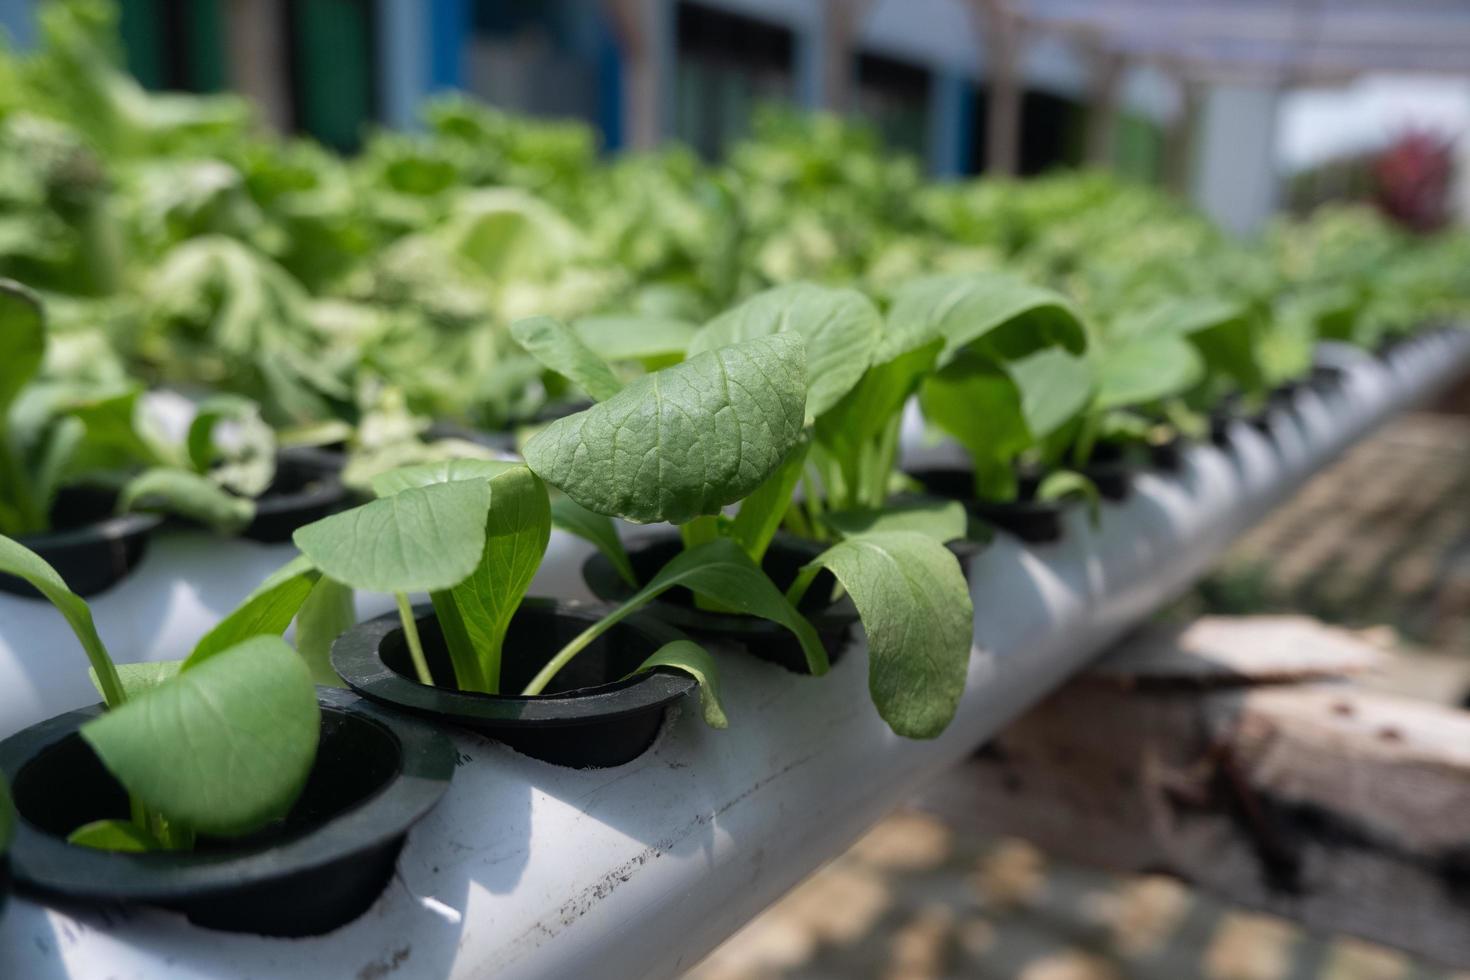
(1234, 755)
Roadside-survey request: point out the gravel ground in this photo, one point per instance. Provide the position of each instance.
(1380, 542)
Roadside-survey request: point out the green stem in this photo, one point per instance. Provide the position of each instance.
(882, 464)
(578, 644)
(411, 634)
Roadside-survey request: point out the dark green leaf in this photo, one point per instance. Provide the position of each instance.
(916, 611)
(683, 441)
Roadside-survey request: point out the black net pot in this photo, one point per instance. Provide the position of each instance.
(1033, 521)
(592, 715)
(307, 487)
(833, 620)
(375, 775)
(92, 546)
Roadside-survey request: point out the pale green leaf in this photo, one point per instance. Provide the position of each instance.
(18, 560)
(977, 403)
(841, 328)
(418, 540)
(327, 613)
(1055, 386)
(437, 471)
(916, 610)
(619, 337)
(761, 513)
(1065, 484)
(224, 747)
(683, 441)
(516, 534)
(114, 835)
(1145, 370)
(694, 660)
(598, 529)
(559, 348)
(268, 610)
(942, 520)
(187, 495)
(140, 677)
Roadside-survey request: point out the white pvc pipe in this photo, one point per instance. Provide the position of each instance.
(528, 870)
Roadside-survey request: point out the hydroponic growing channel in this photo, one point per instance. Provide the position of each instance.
(528, 869)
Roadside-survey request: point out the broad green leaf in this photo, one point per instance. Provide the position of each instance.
(22, 339)
(558, 347)
(1180, 316)
(694, 660)
(1145, 370)
(965, 309)
(248, 465)
(760, 513)
(224, 747)
(917, 613)
(683, 441)
(140, 677)
(326, 614)
(114, 835)
(421, 539)
(648, 339)
(841, 328)
(1220, 329)
(438, 471)
(188, 495)
(18, 560)
(516, 533)
(268, 610)
(942, 520)
(598, 529)
(978, 404)
(1054, 385)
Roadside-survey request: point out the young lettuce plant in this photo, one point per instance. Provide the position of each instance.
(59, 432)
(220, 743)
(1011, 377)
(908, 588)
(676, 444)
